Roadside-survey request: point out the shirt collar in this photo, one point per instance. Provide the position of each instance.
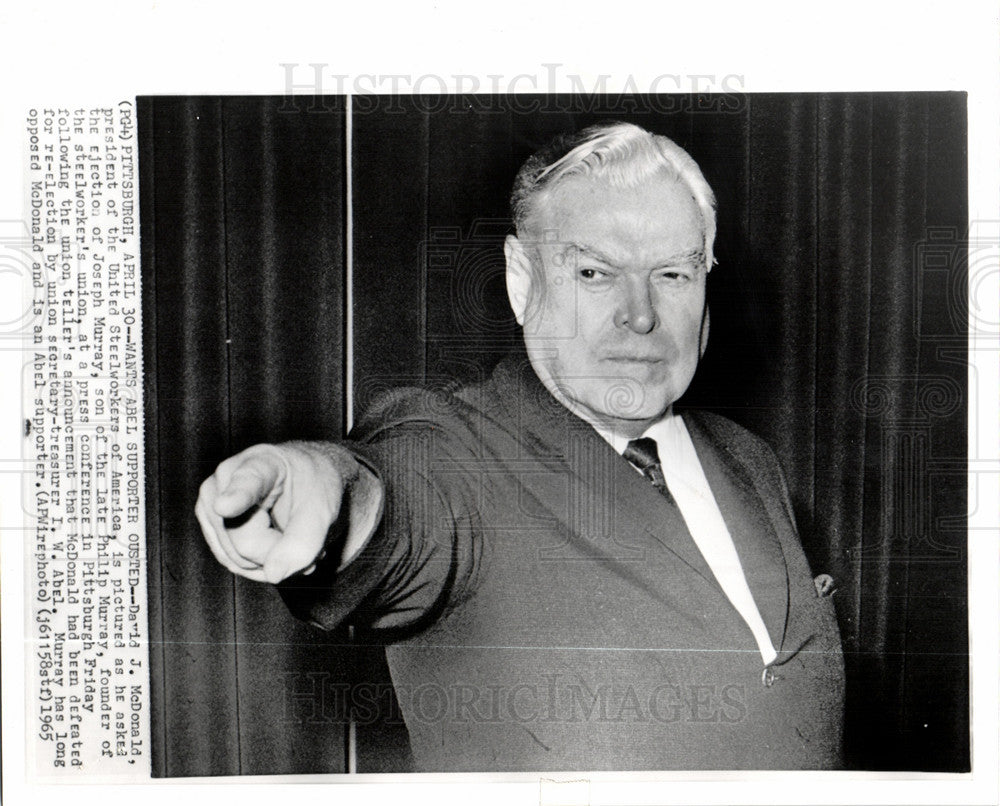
(662, 431)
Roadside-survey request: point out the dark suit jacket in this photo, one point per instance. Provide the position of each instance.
(548, 610)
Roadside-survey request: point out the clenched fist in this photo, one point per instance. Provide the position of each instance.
(266, 512)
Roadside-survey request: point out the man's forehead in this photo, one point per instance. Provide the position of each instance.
(576, 191)
(657, 203)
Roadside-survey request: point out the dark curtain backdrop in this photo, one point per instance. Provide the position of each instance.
(838, 334)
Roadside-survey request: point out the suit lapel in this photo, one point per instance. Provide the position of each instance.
(638, 510)
(752, 531)
(548, 429)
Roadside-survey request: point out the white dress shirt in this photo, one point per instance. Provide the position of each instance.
(689, 487)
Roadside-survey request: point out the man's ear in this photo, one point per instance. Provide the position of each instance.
(703, 338)
(519, 277)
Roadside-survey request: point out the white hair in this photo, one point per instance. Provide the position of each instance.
(622, 154)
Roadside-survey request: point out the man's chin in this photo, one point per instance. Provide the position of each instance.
(628, 411)
(633, 400)
(617, 402)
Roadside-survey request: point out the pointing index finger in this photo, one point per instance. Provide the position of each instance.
(215, 533)
(249, 481)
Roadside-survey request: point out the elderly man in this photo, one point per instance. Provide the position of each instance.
(570, 575)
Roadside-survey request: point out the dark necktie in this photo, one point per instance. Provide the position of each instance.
(643, 454)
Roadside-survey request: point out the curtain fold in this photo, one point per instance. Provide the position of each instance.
(243, 276)
(194, 628)
(838, 334)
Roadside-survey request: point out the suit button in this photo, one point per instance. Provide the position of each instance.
(767, 677)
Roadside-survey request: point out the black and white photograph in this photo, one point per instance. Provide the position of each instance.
(531, 433)
(438, 403)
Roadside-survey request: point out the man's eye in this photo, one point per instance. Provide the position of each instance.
(592, 274)
(675, 276)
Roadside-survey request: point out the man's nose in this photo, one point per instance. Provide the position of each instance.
(635, 310)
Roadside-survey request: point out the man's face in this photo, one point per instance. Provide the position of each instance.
(615, 299)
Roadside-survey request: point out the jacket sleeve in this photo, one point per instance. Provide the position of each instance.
(422, 558)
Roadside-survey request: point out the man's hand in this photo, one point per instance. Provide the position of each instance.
(266, 512)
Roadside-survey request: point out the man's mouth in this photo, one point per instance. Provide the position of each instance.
(634, 359)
